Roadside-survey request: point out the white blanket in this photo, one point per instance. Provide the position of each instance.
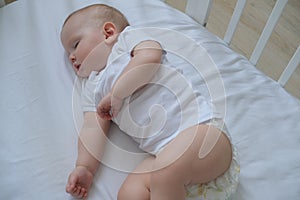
(39, 122)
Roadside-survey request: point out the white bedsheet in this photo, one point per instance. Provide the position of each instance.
(39, 128)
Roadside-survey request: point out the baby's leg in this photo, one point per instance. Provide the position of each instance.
(137, 184)
(179, 164)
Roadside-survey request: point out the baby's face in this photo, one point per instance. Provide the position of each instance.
(79, 38)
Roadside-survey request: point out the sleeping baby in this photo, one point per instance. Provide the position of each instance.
(125, 73)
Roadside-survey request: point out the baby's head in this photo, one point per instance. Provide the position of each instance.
(87, 27)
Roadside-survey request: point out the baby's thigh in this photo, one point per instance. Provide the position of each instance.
(197, 155)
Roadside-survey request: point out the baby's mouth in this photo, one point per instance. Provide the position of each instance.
(77, 66)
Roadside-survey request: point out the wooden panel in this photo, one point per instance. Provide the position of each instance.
(281, 46)
(238, 11)
(199, 10)
(283, 41)
(2, 3)
(178, 4)
(9, 1)
(268, 30)
(290, 69)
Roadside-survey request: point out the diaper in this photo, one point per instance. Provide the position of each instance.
(222, 187)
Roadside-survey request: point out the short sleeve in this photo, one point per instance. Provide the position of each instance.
(129, 39)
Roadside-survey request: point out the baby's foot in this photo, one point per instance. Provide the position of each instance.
(79, 182)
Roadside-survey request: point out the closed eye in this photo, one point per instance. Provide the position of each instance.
(75, 44)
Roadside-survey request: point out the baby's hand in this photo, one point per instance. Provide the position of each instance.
(109, 107)
(79, 182)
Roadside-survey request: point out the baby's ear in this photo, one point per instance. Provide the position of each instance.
(109, 30)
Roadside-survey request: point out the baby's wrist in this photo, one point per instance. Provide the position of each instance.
(79, 166)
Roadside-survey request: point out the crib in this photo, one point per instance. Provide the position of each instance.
(40, 110)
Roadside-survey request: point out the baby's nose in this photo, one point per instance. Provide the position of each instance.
(72, 58)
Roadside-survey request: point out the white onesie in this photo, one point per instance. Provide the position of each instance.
(178, 97)
(170, 103)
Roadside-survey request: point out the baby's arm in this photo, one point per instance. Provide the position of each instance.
(145, 61)
(91, 144)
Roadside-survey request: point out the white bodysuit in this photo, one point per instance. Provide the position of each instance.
(178, 97)
(155, 114)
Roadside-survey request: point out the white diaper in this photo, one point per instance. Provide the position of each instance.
(222, 187)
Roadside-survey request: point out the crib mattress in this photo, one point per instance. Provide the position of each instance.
(39, 120)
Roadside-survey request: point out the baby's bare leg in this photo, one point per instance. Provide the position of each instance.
(179, 163)
(137, 184)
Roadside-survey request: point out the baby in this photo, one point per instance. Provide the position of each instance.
(119, 69)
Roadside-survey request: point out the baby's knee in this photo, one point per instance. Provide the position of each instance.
(134, 188)
(126, 192)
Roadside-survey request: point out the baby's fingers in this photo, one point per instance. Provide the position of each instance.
(79, 192)
(70, 189)
(72, 182)
(72, 179)
(106, 115)
(83, 193)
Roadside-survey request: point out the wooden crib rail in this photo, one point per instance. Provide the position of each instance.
(2, 3)
(291, 67)
(238, 11)
(269, 27)
(5, 2)
(200, 10)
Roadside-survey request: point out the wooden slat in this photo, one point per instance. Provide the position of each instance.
(9, 1)
(291, 67)
(198, 10)
(238, 11)
(2, 3)
(270, 25)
